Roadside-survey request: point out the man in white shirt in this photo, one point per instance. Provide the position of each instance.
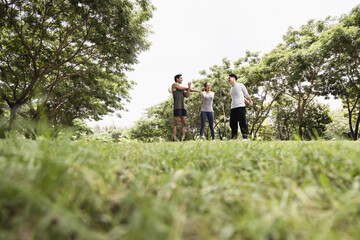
(239, 96)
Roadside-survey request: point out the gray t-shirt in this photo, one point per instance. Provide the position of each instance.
(238, 92)
(207, 102)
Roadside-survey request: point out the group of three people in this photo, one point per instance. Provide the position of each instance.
(239, 95)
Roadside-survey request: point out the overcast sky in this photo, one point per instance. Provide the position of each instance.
(192, 35)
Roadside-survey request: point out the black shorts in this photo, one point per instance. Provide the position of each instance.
(180, 113)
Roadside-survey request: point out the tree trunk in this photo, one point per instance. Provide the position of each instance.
(219, 132)
(301, 118)
(350, 124)
(301, 113)
(278, 123)
(13, 110)
(356, 132)
(224, 134)
(255, 133)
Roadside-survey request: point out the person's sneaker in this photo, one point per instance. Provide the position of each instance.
(245, 140)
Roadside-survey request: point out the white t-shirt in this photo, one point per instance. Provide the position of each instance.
(238, 92)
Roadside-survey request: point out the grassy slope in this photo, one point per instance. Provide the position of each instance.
(192, 190)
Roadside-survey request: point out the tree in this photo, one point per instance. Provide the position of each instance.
(157, 124)
(339, 127)
(80, 129)
(285, 120)
(302, 63)
(266, 84)
(147, 130)
(316, 118)
(66, 59)
(342, 71)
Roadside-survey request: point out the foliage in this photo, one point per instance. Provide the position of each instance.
(301, 61)
(80, 129)
(114, 135)
(63, 60)
(339, 127)
(267, 132)
(3, 120)
(193, 190)
(147, 130)
(342, 45)
(315, 119)
(160, 119)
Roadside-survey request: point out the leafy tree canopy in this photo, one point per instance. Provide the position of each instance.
(66, 59)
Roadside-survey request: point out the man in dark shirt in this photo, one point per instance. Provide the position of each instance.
(179, 92)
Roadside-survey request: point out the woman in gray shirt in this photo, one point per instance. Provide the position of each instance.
(207, 111)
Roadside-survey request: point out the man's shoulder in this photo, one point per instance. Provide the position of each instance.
(238, 85)
(241, 85)
(174, 86)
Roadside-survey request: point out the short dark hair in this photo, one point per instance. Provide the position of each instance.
(177, 76)
(233, 75)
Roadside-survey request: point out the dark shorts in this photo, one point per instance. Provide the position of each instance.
(180, 112)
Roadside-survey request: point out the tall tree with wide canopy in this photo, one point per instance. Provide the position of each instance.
(302, 61)
(342, 70)
(66, 59)
(266, 83)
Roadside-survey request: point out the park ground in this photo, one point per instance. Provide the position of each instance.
(62, 189)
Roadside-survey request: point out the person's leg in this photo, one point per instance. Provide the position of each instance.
(233, 123)
(176, 121)
(243, 124)
(203, 120)
(211, 124)
(183, 127)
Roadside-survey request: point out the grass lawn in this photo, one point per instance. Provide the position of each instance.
(58, 189)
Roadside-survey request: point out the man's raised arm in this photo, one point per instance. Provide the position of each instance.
(179, 87)
(189, 90)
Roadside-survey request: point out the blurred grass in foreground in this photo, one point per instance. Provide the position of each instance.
(58, 189)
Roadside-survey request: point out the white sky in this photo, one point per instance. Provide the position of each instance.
(192, 35)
